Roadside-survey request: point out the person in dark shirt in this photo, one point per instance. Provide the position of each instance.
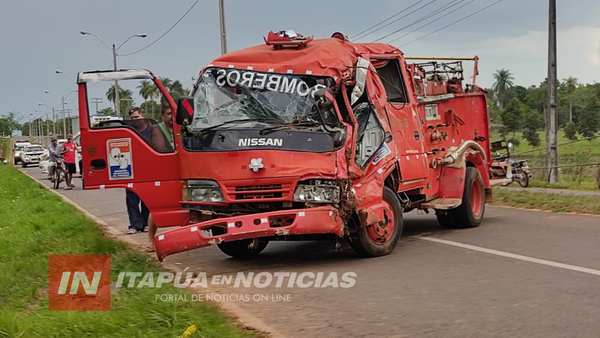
(138, 218)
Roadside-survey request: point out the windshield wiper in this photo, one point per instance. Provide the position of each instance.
(207, 129)
(269, 130)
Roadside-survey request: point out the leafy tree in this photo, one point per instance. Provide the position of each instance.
(570, 131)
(503, 82)
(532, 137)
(106, 111)
(571, 85)
(151, 109)
(8, 124)
(512, 117)
(589, 119)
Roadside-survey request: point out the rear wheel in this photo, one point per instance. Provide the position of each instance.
(523, 179)
(380, 239)
(470, 213)
(245, 248)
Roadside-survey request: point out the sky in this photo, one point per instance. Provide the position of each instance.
(39, 37)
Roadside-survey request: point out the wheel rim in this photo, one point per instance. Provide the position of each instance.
(381, 234)
(476, 198)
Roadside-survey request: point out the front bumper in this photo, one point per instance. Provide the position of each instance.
(319, 220)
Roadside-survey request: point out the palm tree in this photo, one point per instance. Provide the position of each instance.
(110, 94)
(571, 84)
(504, 81)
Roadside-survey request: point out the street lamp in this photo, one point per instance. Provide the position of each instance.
(61, 72)
(114, 52)
(62, 98)
(53, 118)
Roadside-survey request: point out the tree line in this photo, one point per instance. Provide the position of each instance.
(149, 92)
(516, 108)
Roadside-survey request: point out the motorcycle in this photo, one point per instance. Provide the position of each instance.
(503, 167)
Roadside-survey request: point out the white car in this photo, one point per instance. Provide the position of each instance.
(31, 155)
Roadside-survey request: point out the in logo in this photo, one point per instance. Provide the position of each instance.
(79, 282)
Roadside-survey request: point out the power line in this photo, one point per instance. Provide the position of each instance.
(391, 17)
(400, 18)
(453, 23)
(423, 26)
(165, 33)
(425, 17)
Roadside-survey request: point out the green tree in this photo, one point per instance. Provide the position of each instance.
(532, 122)
(8, 124)
(503, 82)
(106, 111)
(151, 109)
(512, 117)
(571, 85)
(588, 122)
(570, 131)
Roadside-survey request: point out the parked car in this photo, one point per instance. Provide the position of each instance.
(18, 152)
(31, 155)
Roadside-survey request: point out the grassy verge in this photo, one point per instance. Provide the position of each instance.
(587, 183)
(34, 224)
(556, 203)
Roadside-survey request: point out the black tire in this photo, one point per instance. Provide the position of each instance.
(15, 161)
(363, 242)
(464, 216)
(524, 179)
(57, 178)
(446, 219)
(245, 248)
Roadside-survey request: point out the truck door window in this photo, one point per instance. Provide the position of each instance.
(370, 133)
(140, 110)
(391, 76)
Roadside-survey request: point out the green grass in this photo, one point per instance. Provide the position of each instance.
(35, 223)
(552, 202)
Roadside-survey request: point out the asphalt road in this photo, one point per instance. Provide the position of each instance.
(520, 274)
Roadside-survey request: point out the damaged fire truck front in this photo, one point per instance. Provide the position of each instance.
(327, 139)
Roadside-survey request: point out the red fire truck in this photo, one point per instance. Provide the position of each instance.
(323, 139)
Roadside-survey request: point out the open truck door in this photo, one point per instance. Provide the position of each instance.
(134, 154)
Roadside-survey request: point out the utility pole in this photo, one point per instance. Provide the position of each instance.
(116, 98)
(223, 35)
(53, 123)
(63, 116)
(47, 125)
(96, 100)
(551, 119)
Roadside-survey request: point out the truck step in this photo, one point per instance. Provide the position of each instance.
(442, 203)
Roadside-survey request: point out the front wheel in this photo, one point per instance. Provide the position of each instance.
(245, 248)
(57, 177)
(23, 164)
(380, 239)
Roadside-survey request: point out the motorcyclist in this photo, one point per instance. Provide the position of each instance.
(53, 154)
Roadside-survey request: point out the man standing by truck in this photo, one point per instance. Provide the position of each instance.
(68, 152)
(138, 219)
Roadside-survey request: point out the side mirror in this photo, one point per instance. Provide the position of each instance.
(185, 110)
(324, 98)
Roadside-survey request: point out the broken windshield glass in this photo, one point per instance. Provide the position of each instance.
(225, 95)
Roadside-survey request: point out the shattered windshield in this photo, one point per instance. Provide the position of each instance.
(227, 96)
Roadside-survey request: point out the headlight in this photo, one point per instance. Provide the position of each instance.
(317, 192)
(203, 191)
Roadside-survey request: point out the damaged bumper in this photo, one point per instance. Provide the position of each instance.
(319, 220)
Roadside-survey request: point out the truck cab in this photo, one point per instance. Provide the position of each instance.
(323, 139)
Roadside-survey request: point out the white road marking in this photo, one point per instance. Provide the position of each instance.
(514, 256)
